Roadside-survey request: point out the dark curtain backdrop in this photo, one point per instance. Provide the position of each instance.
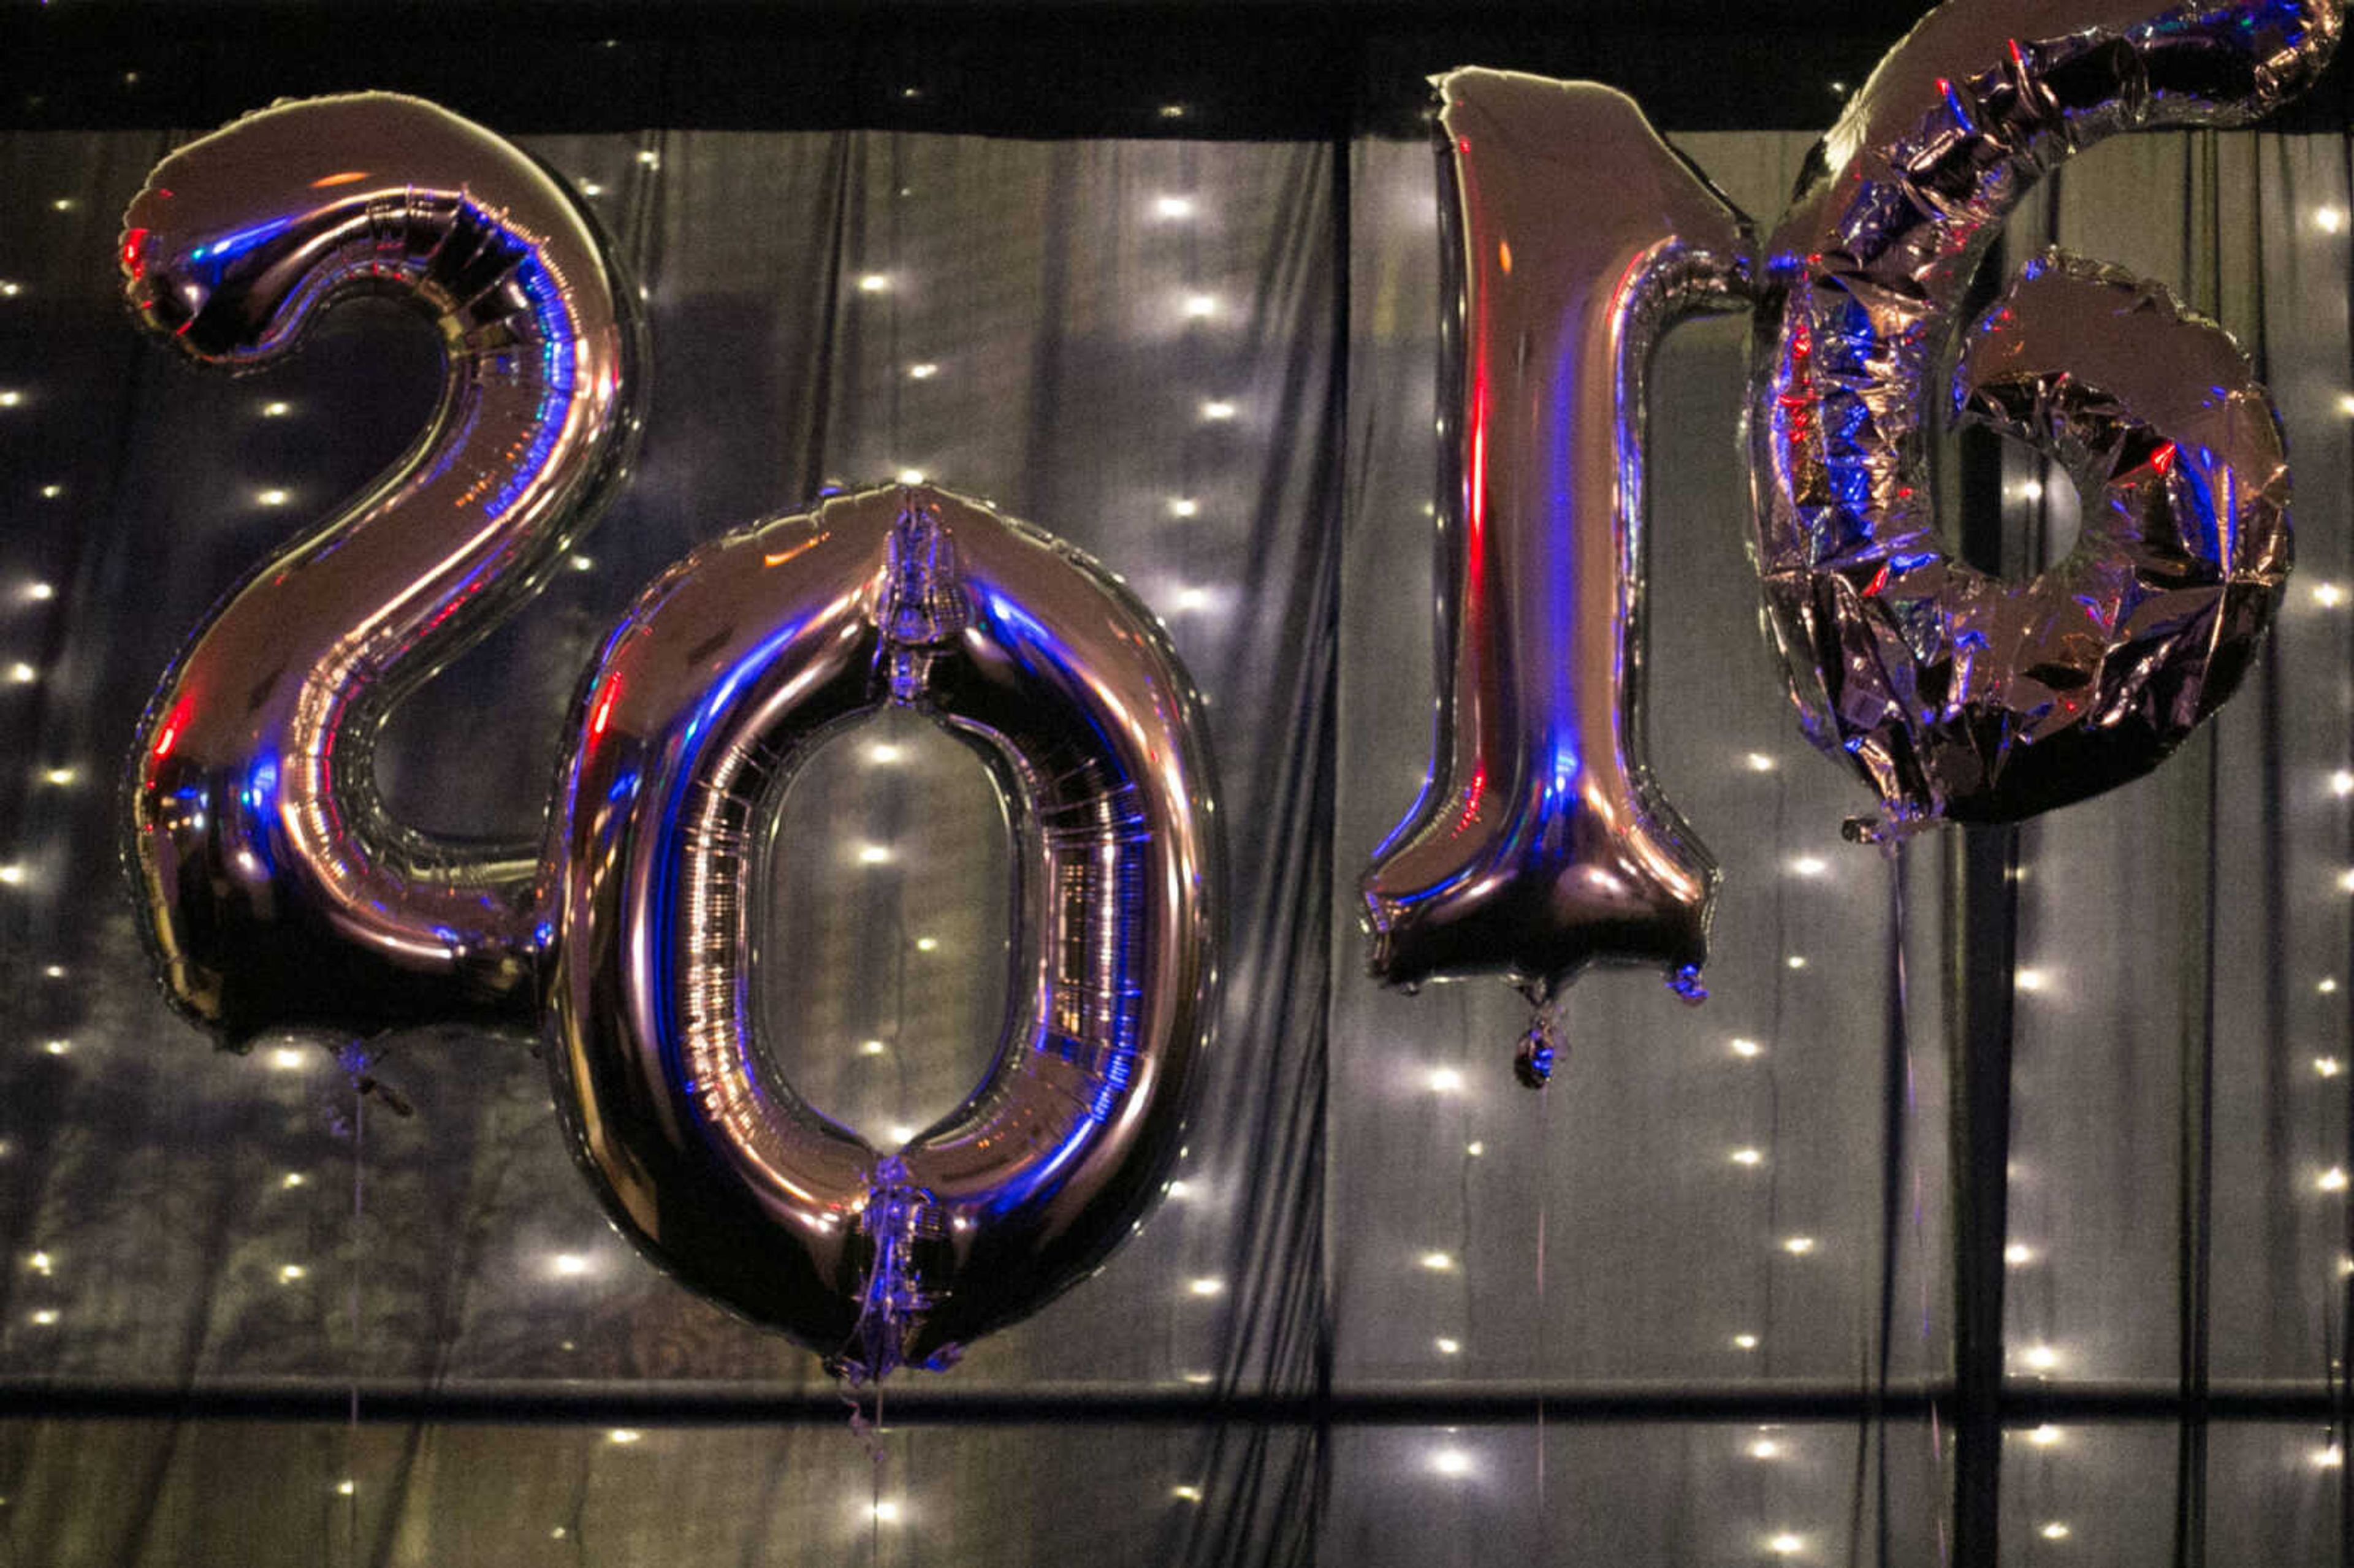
(1699, 1303)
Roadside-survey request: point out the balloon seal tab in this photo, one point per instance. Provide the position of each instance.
(1900, 822)
(1685, 982)
(1532, 1063)
(922, 610)
(908, 1232)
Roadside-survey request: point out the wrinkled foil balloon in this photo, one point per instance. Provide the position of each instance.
(1574, 238)
(729, 671)
(1953, 694)
(277, 890)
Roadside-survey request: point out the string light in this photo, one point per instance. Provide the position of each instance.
(1448, 1347)
(874, 283)
(569, 1264)
(1744, 1342)
(872, 1047)
(39, 1262)
(911, 476)
(927, 944)
(1475, 1148)
(1748, 1157)
(1184, 506)
(2328, 596)
(1208, 1285)
(1219, 409)
(1186, 1494)
(1798, 1246)
(2329, 220)
(1760, 763)
(2044, 1436)
(874, 854)
(51, 492)
(624, 1436)
(1438, 1261)
(56, 1047)
(886, 1512)
(1445, 1081)
(2017, 1253)
(1451, 1462)
(583, 564)
(923, 372)
(1747, 1048)
(1765, 1448)
(1809, 865)
(1173, 206)
(1786, 1545)
(293, 1179)
(2332, 1179)
(276, 410)
(38, 592)
(2055, 1531)
(273, 497)
(289, 1273)
(2041, 1358)
(1795, 961)
(22, 674)
(1199, 305)
(46, 1317)
(60, 777)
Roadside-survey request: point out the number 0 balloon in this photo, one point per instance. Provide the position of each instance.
(730, 669)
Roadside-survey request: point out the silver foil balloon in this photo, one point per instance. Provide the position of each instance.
(732, 667)
(1952, 692)
(276, 889)
(1575, 237)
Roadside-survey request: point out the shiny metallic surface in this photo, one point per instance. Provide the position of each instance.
(1953, 692)
(1575, 239)
(276, 889)
(731, 669)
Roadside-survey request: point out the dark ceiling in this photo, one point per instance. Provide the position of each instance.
(1235, 68)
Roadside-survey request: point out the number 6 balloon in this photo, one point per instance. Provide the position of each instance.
(1576, 237)
(277, 889)
(732, 667)
(1953, 694)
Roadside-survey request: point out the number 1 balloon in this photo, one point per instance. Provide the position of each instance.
(1575, 239)
(1955, 694)
(731, 667)
(277, 889)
